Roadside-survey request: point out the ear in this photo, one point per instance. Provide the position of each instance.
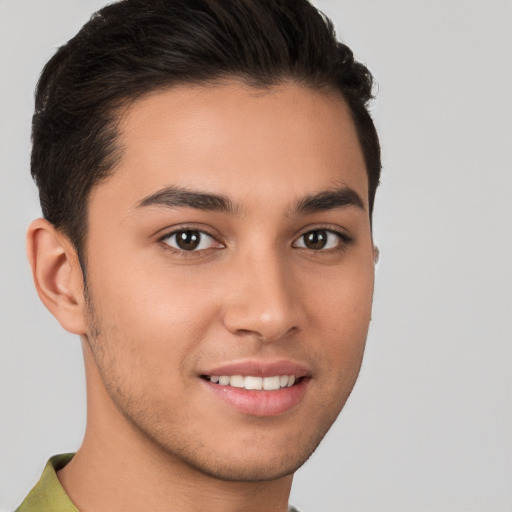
(376, 254)
(57, 275)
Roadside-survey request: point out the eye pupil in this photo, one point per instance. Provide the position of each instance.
(315, 239)
(188, 240)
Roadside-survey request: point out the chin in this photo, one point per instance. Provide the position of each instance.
(249, 470)
(261, 461)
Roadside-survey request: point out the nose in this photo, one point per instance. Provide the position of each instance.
(261, 299)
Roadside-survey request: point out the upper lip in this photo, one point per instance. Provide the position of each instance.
(260, 368)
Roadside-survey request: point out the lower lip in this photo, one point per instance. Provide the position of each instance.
(261, 403)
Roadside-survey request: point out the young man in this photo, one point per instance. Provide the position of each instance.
(207, 171)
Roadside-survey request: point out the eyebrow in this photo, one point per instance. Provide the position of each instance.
(328, 200)
(176, 197)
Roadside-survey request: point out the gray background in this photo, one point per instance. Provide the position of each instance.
(429, 425)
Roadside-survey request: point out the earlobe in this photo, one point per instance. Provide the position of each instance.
(57, 275)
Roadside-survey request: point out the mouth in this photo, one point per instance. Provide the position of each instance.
(254, 383)
(259, 388)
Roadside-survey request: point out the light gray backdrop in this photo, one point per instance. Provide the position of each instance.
(429, 425)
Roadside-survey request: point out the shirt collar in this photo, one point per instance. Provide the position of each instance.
(48, 493)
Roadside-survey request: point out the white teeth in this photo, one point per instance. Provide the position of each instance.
(237, 381)
(224, 380)
(271, 383)
(254, 383)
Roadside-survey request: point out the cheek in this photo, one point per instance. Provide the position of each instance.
(147, 341)
(340, 309)
(342, 300)
(156, 318)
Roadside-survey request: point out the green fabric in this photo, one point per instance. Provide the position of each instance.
(48, 495)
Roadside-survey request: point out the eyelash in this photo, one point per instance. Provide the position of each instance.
(343, 241)
(192, 253)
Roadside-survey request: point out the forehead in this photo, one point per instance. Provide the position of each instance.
(237, 140)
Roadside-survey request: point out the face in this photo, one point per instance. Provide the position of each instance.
(230, 275)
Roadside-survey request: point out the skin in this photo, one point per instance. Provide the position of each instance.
(154, 319)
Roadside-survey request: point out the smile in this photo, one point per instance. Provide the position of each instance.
(250, 382)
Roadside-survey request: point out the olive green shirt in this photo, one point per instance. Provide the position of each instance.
(49, 496)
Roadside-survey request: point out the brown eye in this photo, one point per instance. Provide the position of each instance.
(315, 240)
(190, 240)
(319, 239)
